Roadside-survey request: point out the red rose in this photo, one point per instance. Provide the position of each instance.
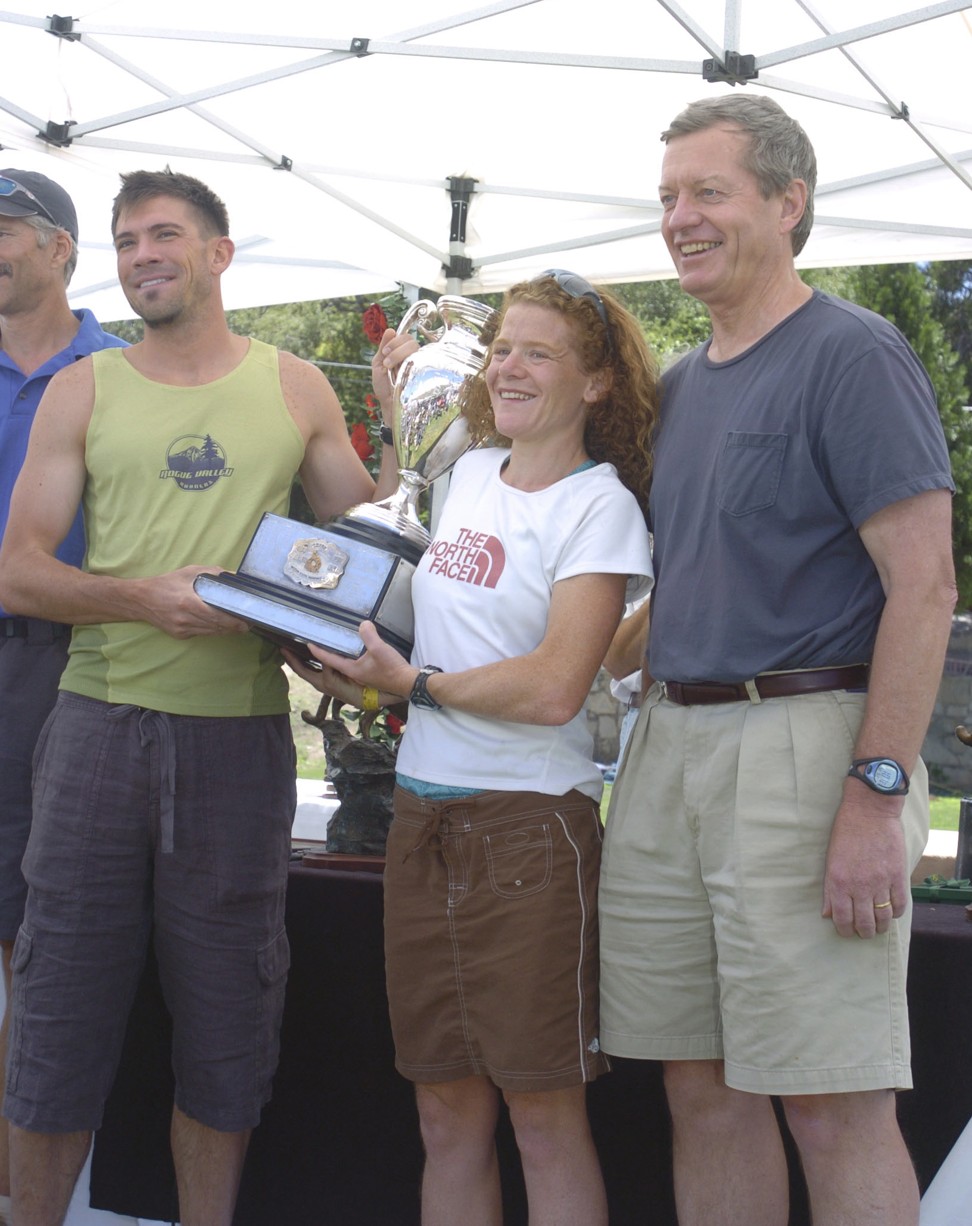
(371, 405)
(361, 442)
(395, 725)
(375, 322)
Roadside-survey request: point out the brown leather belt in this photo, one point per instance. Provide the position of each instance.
(768, 685)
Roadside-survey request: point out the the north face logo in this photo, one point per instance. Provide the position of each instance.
(195, 462)
(474, 557)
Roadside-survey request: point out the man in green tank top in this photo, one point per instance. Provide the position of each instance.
(165, 779)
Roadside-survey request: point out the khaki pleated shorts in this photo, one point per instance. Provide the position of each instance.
(712, 941)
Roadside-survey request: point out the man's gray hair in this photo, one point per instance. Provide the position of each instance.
(45, 232)
(779, 149)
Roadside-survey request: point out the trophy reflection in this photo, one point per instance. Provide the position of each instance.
(299, 584)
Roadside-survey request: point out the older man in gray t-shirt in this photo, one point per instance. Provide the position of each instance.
(791, 447)
(754, 892)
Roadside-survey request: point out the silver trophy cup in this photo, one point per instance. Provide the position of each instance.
(298, 584)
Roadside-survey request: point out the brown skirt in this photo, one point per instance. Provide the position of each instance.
(491, 938)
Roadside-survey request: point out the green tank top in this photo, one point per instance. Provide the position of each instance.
(180, 476)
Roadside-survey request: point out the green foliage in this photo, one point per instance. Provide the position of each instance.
(907, 295)
(837, 281)
(952, 304)
(945, 812)
(673, 322)
(950, 286)
(931, 306)
(127, 329)
(328, 333)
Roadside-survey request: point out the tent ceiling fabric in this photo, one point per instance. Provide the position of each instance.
(334, 130)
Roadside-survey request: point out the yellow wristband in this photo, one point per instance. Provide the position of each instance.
(369, 698)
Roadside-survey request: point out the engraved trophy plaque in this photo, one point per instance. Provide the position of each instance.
(299, 584)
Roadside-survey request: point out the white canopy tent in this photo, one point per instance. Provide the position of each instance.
(359, 146)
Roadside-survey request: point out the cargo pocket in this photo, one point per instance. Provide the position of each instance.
(748, 472)
(519, 862)
(273, 963)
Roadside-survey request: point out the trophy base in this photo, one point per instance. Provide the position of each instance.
(383, 518)
(385, 529)
(298, 585)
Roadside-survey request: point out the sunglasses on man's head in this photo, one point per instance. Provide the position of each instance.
(10, 187)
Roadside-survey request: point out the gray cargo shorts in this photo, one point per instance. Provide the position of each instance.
(152, 824)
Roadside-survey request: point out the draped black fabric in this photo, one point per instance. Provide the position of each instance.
(339, 1142)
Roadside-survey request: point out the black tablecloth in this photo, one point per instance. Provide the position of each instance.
(339, 1142)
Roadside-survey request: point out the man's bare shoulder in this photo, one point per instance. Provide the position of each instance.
(307, 392)
(299, 371)
(64, 413)
(72, 385)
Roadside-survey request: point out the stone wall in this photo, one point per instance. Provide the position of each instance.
(604, 715)
(949, 762)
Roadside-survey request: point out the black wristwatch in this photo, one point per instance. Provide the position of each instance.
(385, 434)
(420, 696)
(882, 775)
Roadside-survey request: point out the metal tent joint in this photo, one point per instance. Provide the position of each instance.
(359, 46)
(735, 69)
(460, 193)
(57, 133)
(285, 163)
(63, 27)
(902, 112)
(459, 266)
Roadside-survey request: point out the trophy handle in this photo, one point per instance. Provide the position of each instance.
(415, 317)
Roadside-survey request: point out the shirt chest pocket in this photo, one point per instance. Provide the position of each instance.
(748, 472)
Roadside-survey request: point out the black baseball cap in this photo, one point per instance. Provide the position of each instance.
(25, 193)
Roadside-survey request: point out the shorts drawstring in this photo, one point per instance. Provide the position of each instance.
(431, 835)
(436, 827)
(157, 726)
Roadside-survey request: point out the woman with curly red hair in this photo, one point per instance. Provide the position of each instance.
(492, 859)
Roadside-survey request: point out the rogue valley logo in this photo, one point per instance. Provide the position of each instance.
(195, 462)
(474, 557)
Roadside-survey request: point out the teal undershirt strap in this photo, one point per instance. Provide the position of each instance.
(432, 791)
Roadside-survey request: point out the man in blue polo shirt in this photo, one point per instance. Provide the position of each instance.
(39, 333)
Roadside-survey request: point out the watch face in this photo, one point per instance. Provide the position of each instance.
(884, 775)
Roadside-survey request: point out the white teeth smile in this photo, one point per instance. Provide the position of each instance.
(515, 396)
(149, 284)
(695, 248)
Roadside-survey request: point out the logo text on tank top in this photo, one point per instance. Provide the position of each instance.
(195, 462)
(473, 557)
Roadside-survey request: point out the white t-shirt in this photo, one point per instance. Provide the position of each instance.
(482, 593)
